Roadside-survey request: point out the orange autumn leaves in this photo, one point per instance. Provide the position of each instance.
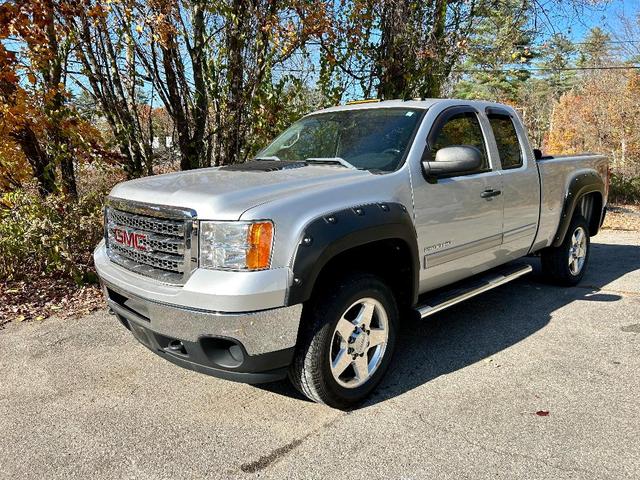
(603, 115)
(34, 49)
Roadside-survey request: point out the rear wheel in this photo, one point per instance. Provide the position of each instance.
(347, 339)
(567, 263)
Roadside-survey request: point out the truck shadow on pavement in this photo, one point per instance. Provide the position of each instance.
(489, 323)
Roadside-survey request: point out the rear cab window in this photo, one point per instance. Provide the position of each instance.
(507, 140)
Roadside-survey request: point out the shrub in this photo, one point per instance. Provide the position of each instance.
(51, 235)
(624, 189)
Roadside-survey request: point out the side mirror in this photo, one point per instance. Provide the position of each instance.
(457, 159)
(537, 153)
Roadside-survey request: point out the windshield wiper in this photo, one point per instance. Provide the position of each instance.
(330, 160)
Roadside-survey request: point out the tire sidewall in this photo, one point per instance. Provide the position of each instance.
(379, 291)
(578, 222)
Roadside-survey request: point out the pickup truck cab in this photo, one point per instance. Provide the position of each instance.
(304, 261)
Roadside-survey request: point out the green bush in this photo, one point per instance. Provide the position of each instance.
(52, 235)
(624, 189)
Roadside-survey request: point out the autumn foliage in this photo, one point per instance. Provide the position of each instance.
(38, 126)
(603, 115)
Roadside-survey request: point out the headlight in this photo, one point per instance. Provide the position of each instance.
(236, 245)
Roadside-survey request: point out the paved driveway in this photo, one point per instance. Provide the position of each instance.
(80, 398)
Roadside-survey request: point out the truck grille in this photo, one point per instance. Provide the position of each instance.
(149, 224)
(151, 240)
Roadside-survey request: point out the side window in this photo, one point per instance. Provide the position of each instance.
(462, 129)
(507, 141)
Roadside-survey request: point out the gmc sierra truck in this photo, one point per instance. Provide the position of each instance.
(303, 261)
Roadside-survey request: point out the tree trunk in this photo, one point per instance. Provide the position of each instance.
(436, 69)
(68, 178)
(53, 75)
(393, 53)
(189, 154)
(201, 103)
(235, 76)
(43, 169)
(411, 60)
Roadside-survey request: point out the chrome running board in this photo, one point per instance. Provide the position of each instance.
(459, 292)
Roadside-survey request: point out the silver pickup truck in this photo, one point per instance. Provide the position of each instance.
(304, 261)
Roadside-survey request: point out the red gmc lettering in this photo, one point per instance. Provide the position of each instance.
(130, 239)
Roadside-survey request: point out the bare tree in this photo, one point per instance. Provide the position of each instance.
(108, 62)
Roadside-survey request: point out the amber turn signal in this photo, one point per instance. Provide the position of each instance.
(260, 238)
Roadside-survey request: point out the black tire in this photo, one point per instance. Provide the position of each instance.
(555, 260)
(311, 371)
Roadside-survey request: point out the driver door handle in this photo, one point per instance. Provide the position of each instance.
(490, 193)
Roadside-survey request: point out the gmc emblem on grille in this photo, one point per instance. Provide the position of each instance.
(134, 240)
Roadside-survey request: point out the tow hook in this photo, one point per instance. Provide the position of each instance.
(176, 346)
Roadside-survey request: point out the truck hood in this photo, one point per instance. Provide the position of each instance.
(220, 194)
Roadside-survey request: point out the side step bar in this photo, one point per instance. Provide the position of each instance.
(466, 289)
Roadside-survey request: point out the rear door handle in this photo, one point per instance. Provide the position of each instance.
(490, 193)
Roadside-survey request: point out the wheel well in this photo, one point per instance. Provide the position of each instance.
(390, 259)
(590, 207)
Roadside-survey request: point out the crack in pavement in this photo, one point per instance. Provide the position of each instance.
(278, 453)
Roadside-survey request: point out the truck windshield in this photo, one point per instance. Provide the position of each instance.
(369, 139)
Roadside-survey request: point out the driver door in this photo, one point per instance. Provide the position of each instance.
(458, 218)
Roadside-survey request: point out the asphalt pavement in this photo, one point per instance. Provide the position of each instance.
(525, 381)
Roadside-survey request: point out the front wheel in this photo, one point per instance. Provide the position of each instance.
(347, 339)
(566, 264)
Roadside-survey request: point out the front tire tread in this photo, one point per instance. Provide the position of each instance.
(310, 372)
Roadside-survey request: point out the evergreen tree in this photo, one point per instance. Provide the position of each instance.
(595, 50)
(499, 52)
(557, 57)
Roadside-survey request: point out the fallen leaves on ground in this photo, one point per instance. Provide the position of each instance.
(43, 297)
(622, 217)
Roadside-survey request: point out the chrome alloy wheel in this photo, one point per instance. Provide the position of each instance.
(359, 342)
(577, 251)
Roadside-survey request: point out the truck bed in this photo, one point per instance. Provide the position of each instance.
(556, 173)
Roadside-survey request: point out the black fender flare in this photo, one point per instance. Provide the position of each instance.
(334, 233)
(580, 185)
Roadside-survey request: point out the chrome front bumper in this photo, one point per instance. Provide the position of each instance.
(252, 347)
